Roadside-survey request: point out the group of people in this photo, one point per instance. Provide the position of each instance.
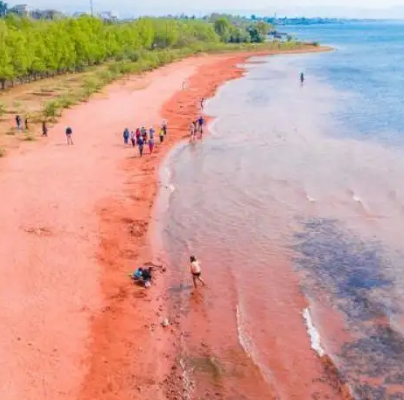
(196, 129)
(19, 123)
(143, 275)
(142, 137)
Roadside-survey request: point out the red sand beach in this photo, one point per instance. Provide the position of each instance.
(74, 224)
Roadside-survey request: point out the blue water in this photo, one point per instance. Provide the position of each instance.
(369, 64)
(303, 181)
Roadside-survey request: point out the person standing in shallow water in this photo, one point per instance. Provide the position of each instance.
(196, 271)
(301, 78)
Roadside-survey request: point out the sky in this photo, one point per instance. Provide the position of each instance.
(331, 8)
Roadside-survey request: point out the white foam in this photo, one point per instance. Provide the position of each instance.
(313, 333)
(243, 337)
(310, 199)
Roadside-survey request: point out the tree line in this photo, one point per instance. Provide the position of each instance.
(32, 49)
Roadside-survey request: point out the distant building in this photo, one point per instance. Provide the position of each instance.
(108, 16)
(46, 14)
(20, 9)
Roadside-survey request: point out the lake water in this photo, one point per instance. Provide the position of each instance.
(294, 206)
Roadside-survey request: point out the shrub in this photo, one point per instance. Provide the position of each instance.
(51, 109)
(3, 110)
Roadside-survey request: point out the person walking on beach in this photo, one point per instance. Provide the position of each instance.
(133, 138)
(202, 103)
(301, 78)
(69, 133)
(151, 133)
(18, 122)
(161, 135)
(192, 132)
(138, 134)
(151, 145)
(196, 271)
(201, 123)
(140, 145)
(126, 135)
(143, 132)
(44, 129)
(164, 127)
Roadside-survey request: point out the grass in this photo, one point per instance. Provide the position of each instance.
(29, 137)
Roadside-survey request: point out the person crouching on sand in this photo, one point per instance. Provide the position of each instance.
(196, 271)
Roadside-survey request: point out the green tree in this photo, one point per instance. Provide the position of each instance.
(222, 28)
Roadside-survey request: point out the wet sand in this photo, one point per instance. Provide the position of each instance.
(74, 223)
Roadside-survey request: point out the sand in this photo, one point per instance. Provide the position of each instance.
(75, 222)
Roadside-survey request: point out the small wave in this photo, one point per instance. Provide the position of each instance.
(313, 333)
(310, 199)
(243, 337)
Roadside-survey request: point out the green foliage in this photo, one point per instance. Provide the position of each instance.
(2, 110)
(36, 49)
(51, 109)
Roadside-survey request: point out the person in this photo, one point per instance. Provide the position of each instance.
(133, 138)
(138, 134)
(69, 133)
(143, 275)
(143, 132)
(151, 133)
(201, 123)
(44, 129)
(151, 145)
(192, 131)
(161, 135)
(26, 123)
(202, 103)
(126, 135)
(164, 127)
(18, 122)
(140, 144)
(147, 277)
(196, 271)
(302, 78)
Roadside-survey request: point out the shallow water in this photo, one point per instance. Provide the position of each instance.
(294, 206)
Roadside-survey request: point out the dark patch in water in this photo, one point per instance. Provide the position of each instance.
(352, 270)
(346, 265)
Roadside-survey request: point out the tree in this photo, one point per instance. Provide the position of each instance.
(222, 28)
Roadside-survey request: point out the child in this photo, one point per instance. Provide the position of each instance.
(196, 271)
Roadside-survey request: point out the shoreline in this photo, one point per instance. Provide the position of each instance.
(178, 111)
(89, 331)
